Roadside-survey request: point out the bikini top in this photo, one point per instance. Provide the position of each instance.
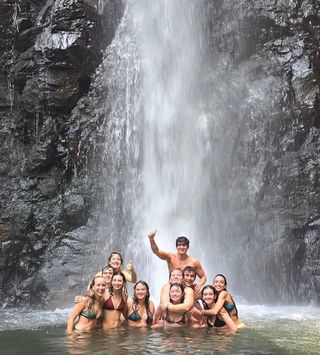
(91, 314)
(229, 307)
(135, 316)
(182, 320)
(109, 306)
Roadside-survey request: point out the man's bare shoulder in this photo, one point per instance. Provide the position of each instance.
(194, 262)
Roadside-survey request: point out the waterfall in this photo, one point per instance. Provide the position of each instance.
(157, 142)
(176, 104)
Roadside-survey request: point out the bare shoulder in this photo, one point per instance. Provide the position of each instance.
(194, 262)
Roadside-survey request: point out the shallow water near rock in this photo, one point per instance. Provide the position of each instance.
(271, 330)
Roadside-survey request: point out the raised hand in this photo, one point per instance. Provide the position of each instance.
(152, 234)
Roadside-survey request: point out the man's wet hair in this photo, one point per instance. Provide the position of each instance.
(190, 269)
(183, 240)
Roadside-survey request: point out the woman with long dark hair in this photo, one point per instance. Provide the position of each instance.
(172, 317)
(140, 307)
(224, 301)
(207, 302)
(115, 302)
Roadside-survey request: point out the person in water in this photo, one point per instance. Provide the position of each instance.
(224, 301)
(106, 273)
(140, 307)
(115, 302)
(115, 261)
(90, 309)
(189, 276)
(180, 259)
(170, 318)
(176, 276)
(222, 320)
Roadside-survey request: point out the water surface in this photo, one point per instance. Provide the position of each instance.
(271, 330)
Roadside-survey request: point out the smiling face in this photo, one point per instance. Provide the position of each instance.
(117, 282)
(115, 261)
(140, 291)
(208, 296)
(189, 278)
(99, 285)
(176, 276)
(182, 248)
(107, 274)
(219, 283)
(176, 294)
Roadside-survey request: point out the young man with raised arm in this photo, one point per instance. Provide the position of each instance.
(180, 259)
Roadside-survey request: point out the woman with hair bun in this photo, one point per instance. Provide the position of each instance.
(140, 307)
(90, 309)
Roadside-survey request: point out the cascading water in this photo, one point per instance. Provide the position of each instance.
(175, 106)
(157, 141)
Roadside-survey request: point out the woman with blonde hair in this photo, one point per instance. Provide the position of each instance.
(90, 309)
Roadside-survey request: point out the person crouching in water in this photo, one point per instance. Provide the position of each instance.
(140, 307)
(204, 315)
(224, 301)
(176, 276)
(90, 309)
(169, 317)
(115, 302)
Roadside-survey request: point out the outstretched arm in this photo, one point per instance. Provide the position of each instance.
(164, 255)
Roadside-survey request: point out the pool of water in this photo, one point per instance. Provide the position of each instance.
(271, 330)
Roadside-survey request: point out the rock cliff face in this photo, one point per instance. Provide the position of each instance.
(51, 144)
(50, 49)
(273, 180)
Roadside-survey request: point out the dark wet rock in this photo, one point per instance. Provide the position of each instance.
(49, 51)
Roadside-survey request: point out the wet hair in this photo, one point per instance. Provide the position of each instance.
(183, 240)
(146, 301)
(115, 253)
(93, 298)
(190, 269)
(176, 284)
(107, 267)
(225, 289)
(118, 273)
(225, 280)
(206, 287)
(173, 271)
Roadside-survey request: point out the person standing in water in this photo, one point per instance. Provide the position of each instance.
(90, 309)
(180, 259)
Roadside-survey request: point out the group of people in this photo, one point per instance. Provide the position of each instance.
(182, 301)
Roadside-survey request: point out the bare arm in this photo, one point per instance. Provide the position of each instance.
(202, 276)
(218, 306)
(196, 313)
(229, 322)
(130, 273)
(187, 304)
(77, 309)
(164, 295)
(164, 255)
